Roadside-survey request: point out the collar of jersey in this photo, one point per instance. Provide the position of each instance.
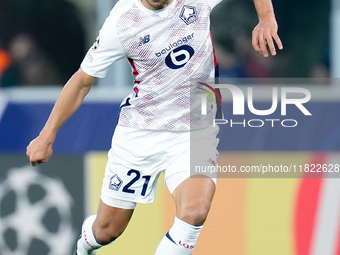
(162, 12)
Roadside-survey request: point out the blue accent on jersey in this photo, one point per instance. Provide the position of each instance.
(219, 112)
(169, 237)
(217, 71)
(127, 103)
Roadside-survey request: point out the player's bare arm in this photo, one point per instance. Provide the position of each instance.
(265, 33)
(71, 97)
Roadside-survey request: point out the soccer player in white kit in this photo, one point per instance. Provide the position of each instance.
(167, 43)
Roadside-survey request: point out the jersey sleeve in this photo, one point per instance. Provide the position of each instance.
(106, 50)
(213, 3)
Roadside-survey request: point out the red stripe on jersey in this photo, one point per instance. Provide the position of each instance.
(136, 90)
(134, 72)
(215, 58)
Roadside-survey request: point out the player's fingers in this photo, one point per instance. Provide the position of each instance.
(34, 159)
(278, 41)
(263, 46)
(271, 45)
(35, 163)
(255, 41)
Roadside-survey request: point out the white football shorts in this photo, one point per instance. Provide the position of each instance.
(137, 157)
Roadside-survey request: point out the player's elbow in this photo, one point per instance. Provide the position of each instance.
(84, 80)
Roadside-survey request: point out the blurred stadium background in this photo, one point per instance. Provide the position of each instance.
(43, 42)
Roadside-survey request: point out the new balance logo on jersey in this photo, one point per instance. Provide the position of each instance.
(144, 40)
(188, 14)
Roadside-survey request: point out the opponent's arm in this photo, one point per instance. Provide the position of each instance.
(266, 30)
(69, 100)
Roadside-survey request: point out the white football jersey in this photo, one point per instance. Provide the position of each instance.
(166, 48)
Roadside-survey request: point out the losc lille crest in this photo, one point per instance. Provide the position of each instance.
(188, 14)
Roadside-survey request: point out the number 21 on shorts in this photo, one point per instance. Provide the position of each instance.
(116, 182)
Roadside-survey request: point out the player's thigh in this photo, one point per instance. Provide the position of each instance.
(193, 191)
(135, 161)
(193, 199)
(111, 221)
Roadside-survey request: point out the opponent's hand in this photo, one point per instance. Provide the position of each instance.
(265, 33)
(39, 150)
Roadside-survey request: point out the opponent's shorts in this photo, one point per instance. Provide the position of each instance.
(137, 157)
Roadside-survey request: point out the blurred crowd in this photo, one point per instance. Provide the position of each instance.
(43, 42)
(303, 29)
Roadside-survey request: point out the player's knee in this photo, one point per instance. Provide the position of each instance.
(194, 214)
(105, 233)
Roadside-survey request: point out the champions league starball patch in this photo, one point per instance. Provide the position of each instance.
(188, 14)
(95, 46)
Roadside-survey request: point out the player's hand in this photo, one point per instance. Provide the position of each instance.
(39, 150)
(265, 33)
